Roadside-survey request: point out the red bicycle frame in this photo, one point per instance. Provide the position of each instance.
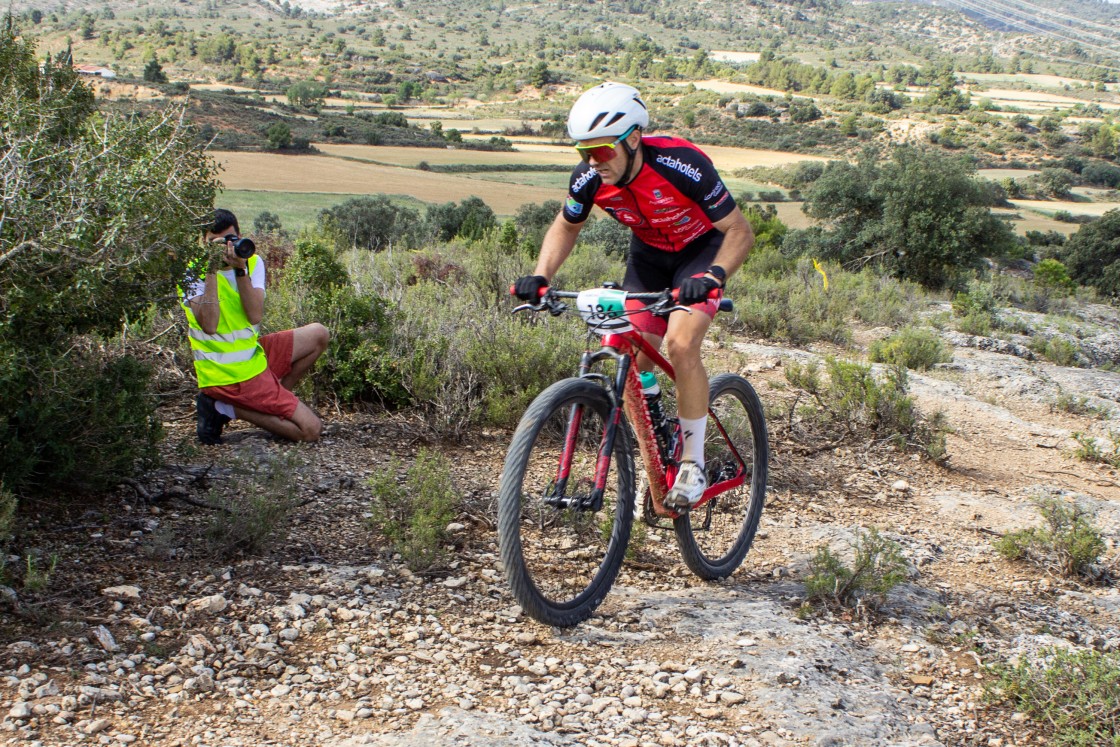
(627, 397)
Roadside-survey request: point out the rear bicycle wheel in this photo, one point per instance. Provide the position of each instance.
(714, 538)
(561, 547)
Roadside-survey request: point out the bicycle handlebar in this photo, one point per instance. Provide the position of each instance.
(725, 304)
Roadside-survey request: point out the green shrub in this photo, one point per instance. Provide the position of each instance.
(1051, 276)
(979, 323)
(414, 515)
(254, 505)
(37, 573)
(359, 364)
(878, 567)
(464, 364)
(100, 219)
(1075, 693)
(1068, 541)
(461, 357)
(913, 347)
(8, 506)
(781, 298)
(1077, 404)
(977, 309)
(852, 404)
(1059, 350)
(1089, 449)
(78, 420)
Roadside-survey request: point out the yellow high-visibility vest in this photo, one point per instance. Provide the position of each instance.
(232, 354)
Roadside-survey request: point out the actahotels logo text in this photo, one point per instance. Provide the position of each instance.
(677, 164)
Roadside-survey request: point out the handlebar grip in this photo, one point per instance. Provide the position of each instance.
(726, 305)
(713, 294)
(540, 294)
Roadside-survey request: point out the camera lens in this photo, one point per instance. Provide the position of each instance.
(244, 248)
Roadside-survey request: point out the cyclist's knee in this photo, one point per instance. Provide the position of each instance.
(682, 348)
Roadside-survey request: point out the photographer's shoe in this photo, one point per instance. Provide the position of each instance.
(688, 488)
(210, 421)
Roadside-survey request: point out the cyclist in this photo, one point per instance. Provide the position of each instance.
(688, 234)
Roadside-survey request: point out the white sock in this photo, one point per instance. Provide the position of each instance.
(693, 431)
(224, 408)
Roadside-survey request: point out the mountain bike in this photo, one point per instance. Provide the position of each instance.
(568, 495)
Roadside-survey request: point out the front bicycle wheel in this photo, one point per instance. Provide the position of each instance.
(562, 540)
(714, 538)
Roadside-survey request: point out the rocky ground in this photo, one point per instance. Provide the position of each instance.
(142, 637)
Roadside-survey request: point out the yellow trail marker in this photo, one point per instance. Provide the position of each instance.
(818, 268)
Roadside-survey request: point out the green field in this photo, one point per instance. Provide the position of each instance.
(294, 208)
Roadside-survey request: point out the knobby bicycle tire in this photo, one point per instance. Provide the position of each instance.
(736, 513)
(560, 563)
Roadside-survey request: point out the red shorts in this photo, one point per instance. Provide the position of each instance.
(264, 392)
(659, 325)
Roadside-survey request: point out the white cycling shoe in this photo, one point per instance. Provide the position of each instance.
(688, 488)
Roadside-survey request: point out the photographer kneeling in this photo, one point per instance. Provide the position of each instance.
(240, 374)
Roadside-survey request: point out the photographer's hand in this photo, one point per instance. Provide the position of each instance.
(231, 258)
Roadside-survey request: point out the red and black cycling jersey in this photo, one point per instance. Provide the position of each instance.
(673, 200)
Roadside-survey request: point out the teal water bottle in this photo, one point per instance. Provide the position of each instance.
(652, 392)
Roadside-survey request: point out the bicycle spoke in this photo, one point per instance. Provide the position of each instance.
(715, 537)
(560, 554)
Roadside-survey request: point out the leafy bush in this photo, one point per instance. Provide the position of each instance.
(1101, 175)
(358, 365)
(852, 404)
(878, 567)
(1076, 693)
(782, 298)
(1056, 349)
(1091, 257)
(612, 236)
(976, 309)
(414, 515)
(913, 347)
(254, 506)
(8, 505)
(77, 420)
(372, 223)
(919, 215)
(470, 219)
(1053, 277)
(1068, 541)
(100, 218)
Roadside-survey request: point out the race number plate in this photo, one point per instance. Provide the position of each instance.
(604, 310)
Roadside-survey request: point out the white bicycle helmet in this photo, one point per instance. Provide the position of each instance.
(607, 110)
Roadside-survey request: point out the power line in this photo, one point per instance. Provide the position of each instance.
(988, 8)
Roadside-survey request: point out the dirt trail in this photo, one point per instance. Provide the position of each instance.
(326, 640)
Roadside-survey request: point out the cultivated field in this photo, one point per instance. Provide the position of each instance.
(722, 86)
(1031, 79)
(411, 157)
(331, 175)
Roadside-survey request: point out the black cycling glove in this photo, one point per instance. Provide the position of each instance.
(696, 290)
(528, 288)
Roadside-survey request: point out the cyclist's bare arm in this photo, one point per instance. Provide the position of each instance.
(557, 245)
(738, 239)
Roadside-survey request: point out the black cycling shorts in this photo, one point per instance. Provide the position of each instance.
(649, 270)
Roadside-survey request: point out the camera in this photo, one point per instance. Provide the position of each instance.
(242, 247)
